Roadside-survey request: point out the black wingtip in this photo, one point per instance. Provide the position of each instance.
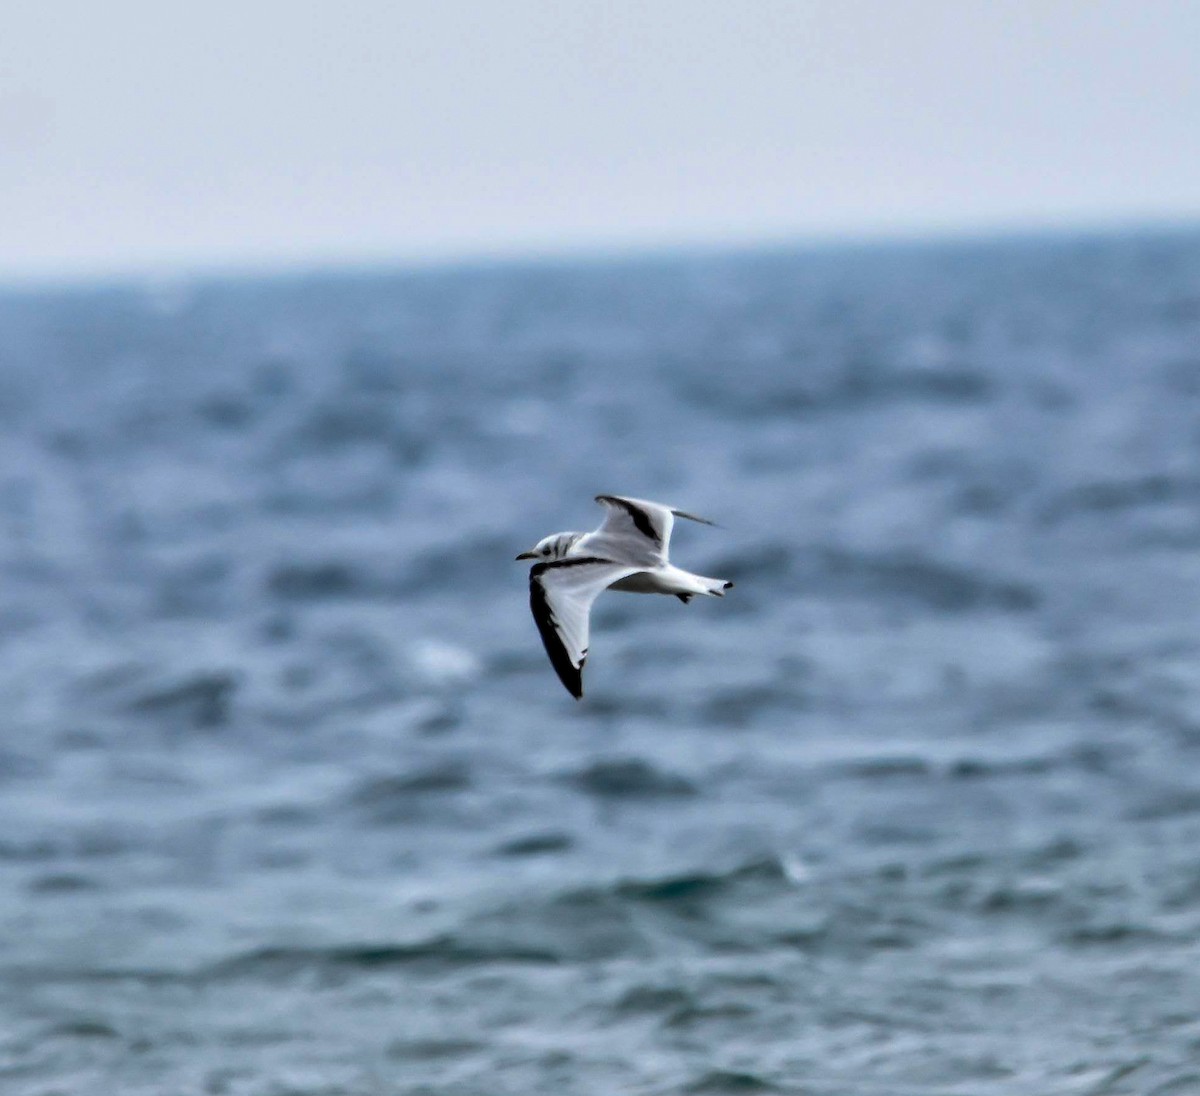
(572, 678)
(575, 685)
(693, 517)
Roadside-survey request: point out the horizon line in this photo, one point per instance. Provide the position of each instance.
(586, 251)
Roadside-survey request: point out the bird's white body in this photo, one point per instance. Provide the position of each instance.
(628, 552)
(669, 579)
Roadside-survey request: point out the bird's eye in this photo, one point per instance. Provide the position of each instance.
(545, 551)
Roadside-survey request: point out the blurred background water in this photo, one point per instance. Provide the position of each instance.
(292, 802)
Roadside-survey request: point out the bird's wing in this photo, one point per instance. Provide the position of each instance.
(561, 595)
(637, 529)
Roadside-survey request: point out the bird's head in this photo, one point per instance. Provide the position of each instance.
(555, 546)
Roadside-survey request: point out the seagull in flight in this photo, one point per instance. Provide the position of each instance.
(628, 552)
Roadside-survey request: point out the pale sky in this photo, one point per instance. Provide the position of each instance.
(159, 135)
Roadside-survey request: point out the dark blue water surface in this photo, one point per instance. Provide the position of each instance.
(291, 801)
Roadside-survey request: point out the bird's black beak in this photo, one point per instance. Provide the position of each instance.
(527, 555)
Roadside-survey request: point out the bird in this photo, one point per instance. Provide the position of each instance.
(627, 552)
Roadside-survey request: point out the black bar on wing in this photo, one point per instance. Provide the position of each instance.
(641, 520)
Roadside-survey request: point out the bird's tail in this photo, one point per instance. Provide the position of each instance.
(715, 587)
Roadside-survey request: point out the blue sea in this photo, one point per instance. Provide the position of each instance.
(292, 803)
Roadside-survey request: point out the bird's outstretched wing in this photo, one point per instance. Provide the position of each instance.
(638, 529)
(561, 595)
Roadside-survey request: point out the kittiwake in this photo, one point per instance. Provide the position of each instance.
(628, 552)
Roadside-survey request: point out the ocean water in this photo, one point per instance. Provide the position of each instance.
(292, 804)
